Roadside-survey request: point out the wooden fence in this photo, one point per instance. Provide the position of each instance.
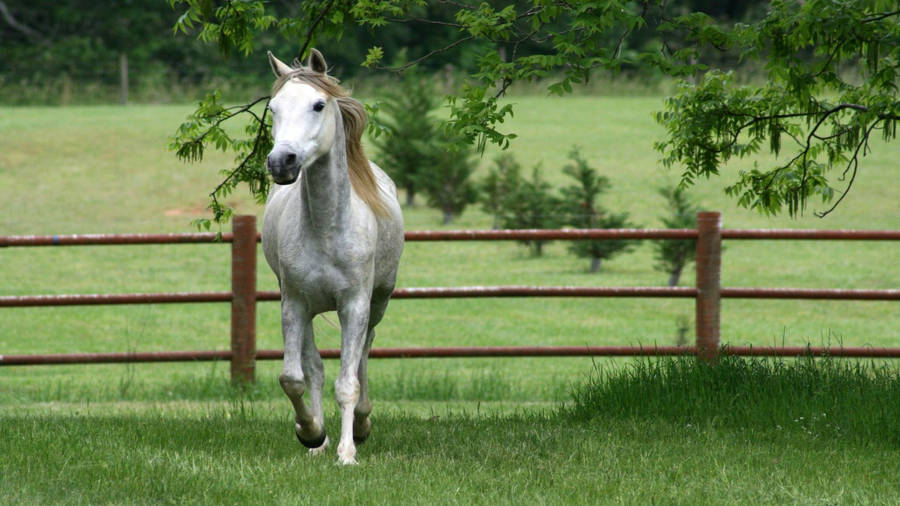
(243, 296)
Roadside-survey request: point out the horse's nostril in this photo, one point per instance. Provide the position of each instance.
(290, 159)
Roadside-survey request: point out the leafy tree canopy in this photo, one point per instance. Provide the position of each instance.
(831, 69)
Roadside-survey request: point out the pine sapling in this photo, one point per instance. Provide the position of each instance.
(583, 211)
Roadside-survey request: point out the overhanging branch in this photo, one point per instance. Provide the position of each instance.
(32, 34)
(186, 147)
(312, 29)
(852, 165)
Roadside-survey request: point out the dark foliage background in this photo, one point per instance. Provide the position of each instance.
(69, 52)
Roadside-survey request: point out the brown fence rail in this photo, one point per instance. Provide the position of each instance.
(243, 296)
(462, 292)
(468, 235)
(456, 352)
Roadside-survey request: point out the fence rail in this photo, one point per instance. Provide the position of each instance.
(455, 352)
(461, 292)
(243, 297)
(468, 235)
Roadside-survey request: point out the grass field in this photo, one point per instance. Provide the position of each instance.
(655, 433)
(106, 169)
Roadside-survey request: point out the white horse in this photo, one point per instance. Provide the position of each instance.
(333, 234)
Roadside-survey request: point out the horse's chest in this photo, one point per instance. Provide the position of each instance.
(311, 267)
(318, 274)
(322, 278)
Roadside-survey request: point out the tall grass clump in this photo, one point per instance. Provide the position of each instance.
(819, 397)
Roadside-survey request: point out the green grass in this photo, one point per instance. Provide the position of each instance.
(826, 398)
(641, 435)
(159, 431)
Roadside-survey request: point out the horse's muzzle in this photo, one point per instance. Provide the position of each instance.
(283, 165)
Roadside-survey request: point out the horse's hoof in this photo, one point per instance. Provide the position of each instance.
(312, 443)
(348, 462)
(320, 450)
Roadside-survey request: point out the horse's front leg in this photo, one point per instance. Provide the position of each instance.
(354, 318)
(300, 372)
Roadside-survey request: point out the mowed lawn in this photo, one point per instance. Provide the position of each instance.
(107, 169)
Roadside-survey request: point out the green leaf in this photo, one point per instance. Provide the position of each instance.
(373, 56)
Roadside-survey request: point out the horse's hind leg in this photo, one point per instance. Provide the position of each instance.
(297, 329)
(315, 377)
(361, 423)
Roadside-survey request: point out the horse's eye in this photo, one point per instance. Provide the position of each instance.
(318, 106)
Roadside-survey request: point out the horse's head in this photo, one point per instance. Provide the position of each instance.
(303, 117)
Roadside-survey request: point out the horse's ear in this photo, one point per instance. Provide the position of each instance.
(278, 67)
(317, 61)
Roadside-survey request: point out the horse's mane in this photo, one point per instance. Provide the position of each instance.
(354, 117)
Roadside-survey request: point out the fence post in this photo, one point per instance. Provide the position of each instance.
(709, 275)
(243, 301)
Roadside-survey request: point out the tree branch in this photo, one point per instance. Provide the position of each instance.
(32, 34)
(415, 62)
(458, 4)
(627, 32)
(259, 135)
(425, 21)
(312, 29)
(241, 109)
(854, 165)
(880, 16)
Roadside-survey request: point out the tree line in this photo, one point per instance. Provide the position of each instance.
(98, 51)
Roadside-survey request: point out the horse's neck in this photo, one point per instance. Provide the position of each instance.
(326, 190)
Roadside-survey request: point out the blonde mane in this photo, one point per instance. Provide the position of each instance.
(354, 117)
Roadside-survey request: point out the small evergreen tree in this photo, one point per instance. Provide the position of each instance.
(499, 187)
(532, 205)
(518, 203)
(583, 211)
(445, 175)
(408, 145)
(672, 255)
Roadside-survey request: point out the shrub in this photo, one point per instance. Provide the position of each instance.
(446, 177)
(408, 147)
(518, 203)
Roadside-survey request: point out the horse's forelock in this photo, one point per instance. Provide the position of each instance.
(323, 82)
